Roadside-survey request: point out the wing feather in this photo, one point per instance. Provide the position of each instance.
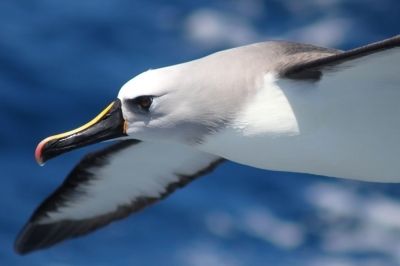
(109, 185)
(312, 70)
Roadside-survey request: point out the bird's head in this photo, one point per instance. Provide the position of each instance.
(165, 105)
(157, 105)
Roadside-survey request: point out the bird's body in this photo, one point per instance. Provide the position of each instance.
(346, 125)
(274, 105)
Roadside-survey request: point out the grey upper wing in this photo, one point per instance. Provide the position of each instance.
(313, 69)
(110, 184)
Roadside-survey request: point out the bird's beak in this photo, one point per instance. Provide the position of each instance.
(109, 124)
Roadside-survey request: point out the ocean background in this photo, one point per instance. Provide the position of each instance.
(61, 62)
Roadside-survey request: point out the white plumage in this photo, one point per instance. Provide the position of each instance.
(274, 105)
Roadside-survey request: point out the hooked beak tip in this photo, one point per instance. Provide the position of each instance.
(109, 124)
(39, 152)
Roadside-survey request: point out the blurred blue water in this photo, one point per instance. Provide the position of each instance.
(63, 61)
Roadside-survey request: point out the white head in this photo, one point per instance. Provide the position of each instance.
(181, 103)
(170, 104)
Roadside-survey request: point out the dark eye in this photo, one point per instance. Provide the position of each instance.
(143, 102)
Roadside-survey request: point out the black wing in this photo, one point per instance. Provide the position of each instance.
(313, 70)
(109, 185)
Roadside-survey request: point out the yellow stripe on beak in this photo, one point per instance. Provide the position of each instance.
(39, 149)
(85, 126)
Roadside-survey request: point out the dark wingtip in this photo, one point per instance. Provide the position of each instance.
(34, 237)
(22, 244)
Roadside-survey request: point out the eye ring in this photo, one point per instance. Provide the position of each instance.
(145, 102)
(142, 102)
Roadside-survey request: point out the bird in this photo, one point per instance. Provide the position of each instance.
(273, 105)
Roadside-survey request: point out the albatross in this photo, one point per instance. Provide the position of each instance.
(272, 105)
